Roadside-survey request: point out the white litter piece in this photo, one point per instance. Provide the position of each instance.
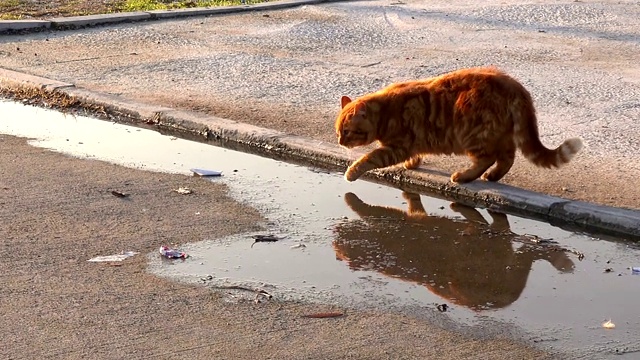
(608, 324)
(183, 190)
(204, 172)
(118, 257)
(298, 246)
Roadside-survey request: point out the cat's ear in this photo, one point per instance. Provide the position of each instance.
(361, 108)
(344, 101)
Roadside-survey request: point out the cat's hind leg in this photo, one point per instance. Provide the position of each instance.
(504, 161)
(480, 165)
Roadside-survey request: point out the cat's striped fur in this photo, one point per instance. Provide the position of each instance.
(479, 112)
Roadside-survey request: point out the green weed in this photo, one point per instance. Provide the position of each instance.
(145, 5)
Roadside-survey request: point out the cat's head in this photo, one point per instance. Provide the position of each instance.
(353, 127)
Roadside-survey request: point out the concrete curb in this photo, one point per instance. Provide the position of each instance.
(74, 22)
(575, 215)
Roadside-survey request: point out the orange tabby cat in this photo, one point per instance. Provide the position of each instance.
(480, 112)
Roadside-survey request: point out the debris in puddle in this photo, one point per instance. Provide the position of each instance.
(323, 315)
(260, 293)
(635, 270)
(119, 194)
(443, 307)
(117, 257)
(549, 244)
(298, 246)
(264, 238)
(608, 324)
(172, 253)
(183, 190)
(204, 172)
(539, 340)
(536, 239)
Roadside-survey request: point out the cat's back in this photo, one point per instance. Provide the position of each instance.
(478, 78)
(397, 93)
(487, 81)
(457, 80)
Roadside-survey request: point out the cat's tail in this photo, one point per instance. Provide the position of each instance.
(527, 139)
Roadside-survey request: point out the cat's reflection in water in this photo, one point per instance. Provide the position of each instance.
(466, 261)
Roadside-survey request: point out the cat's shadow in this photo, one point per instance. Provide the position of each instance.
(466, 261)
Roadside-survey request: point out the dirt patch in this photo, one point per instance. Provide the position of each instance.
(58, 212)
(38, 9)
(49, 99)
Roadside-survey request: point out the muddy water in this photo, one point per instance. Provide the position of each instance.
(363, 245)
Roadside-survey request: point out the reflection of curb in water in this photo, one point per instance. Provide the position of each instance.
(468, 262)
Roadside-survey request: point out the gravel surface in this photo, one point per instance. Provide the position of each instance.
(287, 70)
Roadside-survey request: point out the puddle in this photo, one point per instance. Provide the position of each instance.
(365, 245)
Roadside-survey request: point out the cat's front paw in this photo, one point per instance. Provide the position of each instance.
(412, 163)
(351, 174)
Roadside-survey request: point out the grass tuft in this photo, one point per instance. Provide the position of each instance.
(145, 5)
(37, 9)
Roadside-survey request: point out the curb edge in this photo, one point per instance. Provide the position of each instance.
(603, 219)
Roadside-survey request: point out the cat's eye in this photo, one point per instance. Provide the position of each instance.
(353, 132)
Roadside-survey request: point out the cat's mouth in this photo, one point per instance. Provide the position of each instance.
(348, 145)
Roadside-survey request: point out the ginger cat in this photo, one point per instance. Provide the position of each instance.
(480, 112)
